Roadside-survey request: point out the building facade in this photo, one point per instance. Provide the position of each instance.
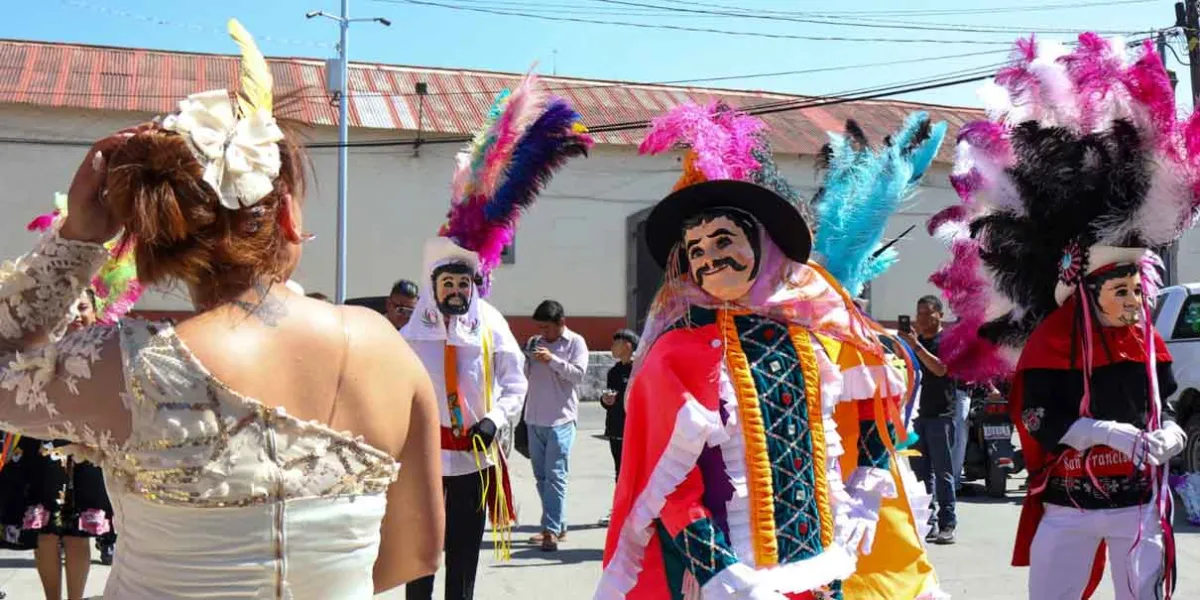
(574, 246)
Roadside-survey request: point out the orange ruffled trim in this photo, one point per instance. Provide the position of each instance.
(758, 461)
(816, 423)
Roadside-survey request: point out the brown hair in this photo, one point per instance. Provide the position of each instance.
(179, 229)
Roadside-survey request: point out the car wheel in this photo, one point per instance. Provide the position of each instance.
(1192, 452)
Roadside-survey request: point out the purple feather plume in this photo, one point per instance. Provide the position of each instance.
(534, 137)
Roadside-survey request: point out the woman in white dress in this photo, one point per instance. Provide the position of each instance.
(252, 451)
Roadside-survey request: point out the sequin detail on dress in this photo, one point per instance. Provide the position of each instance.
(196, 442)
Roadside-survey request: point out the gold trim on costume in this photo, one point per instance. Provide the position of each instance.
(758, 461)
(816, 424)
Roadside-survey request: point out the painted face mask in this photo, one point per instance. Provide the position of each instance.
(1119, 300)
(453, 291)
(721, 258)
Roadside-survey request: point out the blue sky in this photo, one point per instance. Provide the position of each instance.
(427, 35)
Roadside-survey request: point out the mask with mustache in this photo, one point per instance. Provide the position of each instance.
(453, 286)
(716, 265)
(722, 254)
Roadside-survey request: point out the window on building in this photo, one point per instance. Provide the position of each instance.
(1187, 327)
(508, 256)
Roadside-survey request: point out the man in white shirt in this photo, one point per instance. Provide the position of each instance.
(477, 367)
(559, 359)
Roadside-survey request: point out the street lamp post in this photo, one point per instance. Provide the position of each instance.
(343, 66)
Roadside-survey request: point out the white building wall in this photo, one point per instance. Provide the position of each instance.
(571, 247)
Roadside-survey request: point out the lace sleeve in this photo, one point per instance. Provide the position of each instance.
(71, 389)
(38, 289)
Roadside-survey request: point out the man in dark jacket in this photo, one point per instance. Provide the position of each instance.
(625, 343)
(934, 424)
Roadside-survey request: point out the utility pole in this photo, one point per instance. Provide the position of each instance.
(1170, 252)
(1191, 31)
(343, 98)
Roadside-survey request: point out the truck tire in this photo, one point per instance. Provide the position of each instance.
(1191, 453)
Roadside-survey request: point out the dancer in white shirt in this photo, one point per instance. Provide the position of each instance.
(465, 343)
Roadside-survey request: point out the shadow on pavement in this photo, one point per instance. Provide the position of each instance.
(17, 563)
(562, 556)
(975, 494)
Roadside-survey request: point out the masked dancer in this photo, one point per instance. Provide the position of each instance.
(754, 465)
(1082, 170)
(465, 343)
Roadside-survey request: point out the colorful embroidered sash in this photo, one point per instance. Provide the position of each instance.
(454, 400)
(759, 478)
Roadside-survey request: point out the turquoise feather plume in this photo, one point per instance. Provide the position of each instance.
(862, 188)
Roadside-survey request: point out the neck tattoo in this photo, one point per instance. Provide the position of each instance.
(267, 308)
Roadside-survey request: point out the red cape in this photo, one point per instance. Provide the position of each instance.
(681, 368)
(1050, 347)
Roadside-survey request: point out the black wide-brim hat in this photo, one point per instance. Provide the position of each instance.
(781, 220)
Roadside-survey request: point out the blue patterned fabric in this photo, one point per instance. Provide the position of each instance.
(700, 549)
(779, 379)
(783, 402)
(871, 451)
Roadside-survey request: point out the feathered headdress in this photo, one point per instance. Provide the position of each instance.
(116, 285)
(526, 137)
(722, 143)
(1082, 157)
(863, 187)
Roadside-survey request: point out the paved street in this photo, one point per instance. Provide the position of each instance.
(974, 569)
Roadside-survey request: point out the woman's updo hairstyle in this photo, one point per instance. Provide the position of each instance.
(177, 226)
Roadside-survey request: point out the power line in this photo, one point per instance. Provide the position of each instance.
(667, 27)
(940, 12)
(861, 23)
(190, 27)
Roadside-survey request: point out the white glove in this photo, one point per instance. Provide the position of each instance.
(762, 592)
(1122, 437)
(861, 518)
(739, 582)
(1166, 443)
(1127, 440)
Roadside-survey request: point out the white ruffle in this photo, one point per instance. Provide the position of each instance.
(694, 427)
(918, 499)
(739, 582)
(733, 453)
(859, 383)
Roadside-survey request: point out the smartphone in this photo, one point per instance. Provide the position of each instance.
(904, 324)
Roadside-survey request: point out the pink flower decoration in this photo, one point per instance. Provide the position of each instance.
(36, 517)
(94, 522)
(43, 222)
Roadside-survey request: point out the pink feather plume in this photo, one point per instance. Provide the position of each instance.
(723, 140)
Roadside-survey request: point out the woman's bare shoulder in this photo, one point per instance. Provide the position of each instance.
(375, 339)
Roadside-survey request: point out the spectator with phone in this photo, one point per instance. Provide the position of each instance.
(558, 363)
(935, 424)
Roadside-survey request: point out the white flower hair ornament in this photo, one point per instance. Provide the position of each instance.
(238, 146)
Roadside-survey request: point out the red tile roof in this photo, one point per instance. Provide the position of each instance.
(384, 97)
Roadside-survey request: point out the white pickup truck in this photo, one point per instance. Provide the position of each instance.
(1177, 317)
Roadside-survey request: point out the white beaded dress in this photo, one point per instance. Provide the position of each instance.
(215, 495)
